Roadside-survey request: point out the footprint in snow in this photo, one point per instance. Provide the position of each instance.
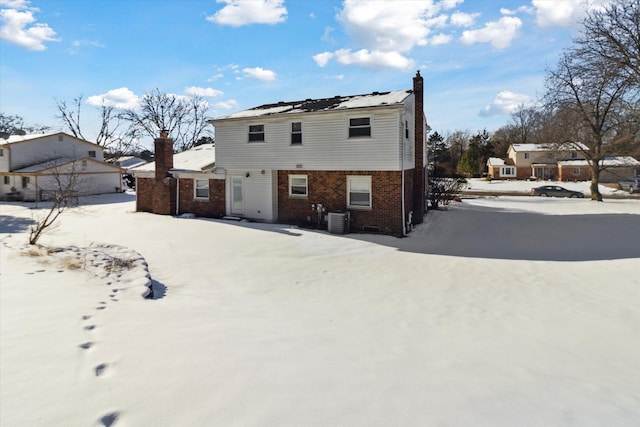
(109, 419)
(86, 345)
(90, 327)
(99, 370)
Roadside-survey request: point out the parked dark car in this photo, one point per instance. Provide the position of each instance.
(554, 191)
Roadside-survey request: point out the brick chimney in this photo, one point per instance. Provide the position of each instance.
(419, 178)
(164, 185)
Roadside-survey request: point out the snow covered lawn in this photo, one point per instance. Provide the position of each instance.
(497, 185)
(499, 311)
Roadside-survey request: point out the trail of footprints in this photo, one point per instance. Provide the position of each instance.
(101, 369)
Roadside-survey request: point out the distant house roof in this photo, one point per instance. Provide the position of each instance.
(15, 139)
(128, 162)
(549, 147)
(198, 159)
(375, 99)
(494, 161)
(41, 167)
(621, 161)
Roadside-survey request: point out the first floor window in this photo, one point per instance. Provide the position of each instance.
(360, 126)
(576, 171)
(296, 133)
(25, 181)
(508, 171)
(256, 133)
(359, 191)
(298, 185)
(6, 180)
(1, 152)
(201, 188)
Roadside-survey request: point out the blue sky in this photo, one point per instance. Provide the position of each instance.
(479, 59)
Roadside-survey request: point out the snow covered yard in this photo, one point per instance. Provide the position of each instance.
(499, 311)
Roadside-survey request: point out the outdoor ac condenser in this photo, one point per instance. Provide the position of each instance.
(338, 222)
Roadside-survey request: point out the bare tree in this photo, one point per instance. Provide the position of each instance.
(185, 118)
(13, 125)
(65, 189)
(613, 35)
(592, 101)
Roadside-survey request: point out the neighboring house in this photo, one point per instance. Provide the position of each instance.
(614, 169)
(302, 162)
(180, 183)
(128, 162)
(30, 166)
(539, 160)
(501, 169)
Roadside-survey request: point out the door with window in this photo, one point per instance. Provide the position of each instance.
(237, 196)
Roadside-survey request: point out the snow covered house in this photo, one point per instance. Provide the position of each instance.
(614, 169)
(180, 183)
(357, 160)
(30, 166)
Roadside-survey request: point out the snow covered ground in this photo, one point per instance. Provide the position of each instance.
(497, 185)
(498, 311)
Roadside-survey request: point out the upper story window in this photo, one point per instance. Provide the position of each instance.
(296, 133)
(92, 153)
(359, 192)
(298, 185)
(256, 133)
(574, 155)
(406, 129)
(526, 155)
(201, 188)
(359, 126)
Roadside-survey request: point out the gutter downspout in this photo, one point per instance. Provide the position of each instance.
(177, 195)
(404, 227)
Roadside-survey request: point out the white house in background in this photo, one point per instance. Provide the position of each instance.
(128, 162)
(31, 164)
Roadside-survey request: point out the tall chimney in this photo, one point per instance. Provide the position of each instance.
(163, 155)
(419, 178)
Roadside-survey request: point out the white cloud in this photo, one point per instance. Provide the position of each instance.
(259, 74)
(499, 33)
(205, 92)
(460, 19)
(566, 13)
(373, 59)
(450, 4)
(77, 44)
(237, 13)
(215, 77)
(439, 39)
(121, 98)
(226, 105)
(506, 102)
(19, 26)
(323, 58)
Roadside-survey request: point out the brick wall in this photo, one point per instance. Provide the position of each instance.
(156, 197)
(330, 189)
(419, 181)
(212, 208)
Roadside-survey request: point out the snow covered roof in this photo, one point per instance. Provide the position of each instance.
(608, 161)
(549, 147)
(12, 139)
(128, 162)
(494, 161)
(197, 159)
(375, 99)
(40, 167)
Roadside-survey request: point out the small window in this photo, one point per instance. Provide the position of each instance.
(84, 163)
(201, 188)
(296, 133)
(360, 126)
(576, 171)
(526, 155)
(298, 185)
(60, 138)
(25, 181)
(1, 152)
(574, 155)
(7, 180)
(256, 133)
(406, 129)
(92, 153)
(359, 192)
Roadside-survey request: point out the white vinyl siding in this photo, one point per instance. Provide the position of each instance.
(326, 144)
(201, 188)
(359, 192)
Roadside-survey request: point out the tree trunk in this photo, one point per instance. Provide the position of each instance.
(595, 180)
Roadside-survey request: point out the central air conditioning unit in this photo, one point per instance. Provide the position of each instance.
(338, 222)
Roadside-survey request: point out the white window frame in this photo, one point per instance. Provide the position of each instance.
(297, 133)
(527, 156)
(509, 171)
(360, 179)
(576, 171)
(26, 180)
(255, 131)
(200, 184)
(574, 155)
(358, 127)
(292, 178)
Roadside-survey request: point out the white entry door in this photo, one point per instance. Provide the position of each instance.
(237, 196)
